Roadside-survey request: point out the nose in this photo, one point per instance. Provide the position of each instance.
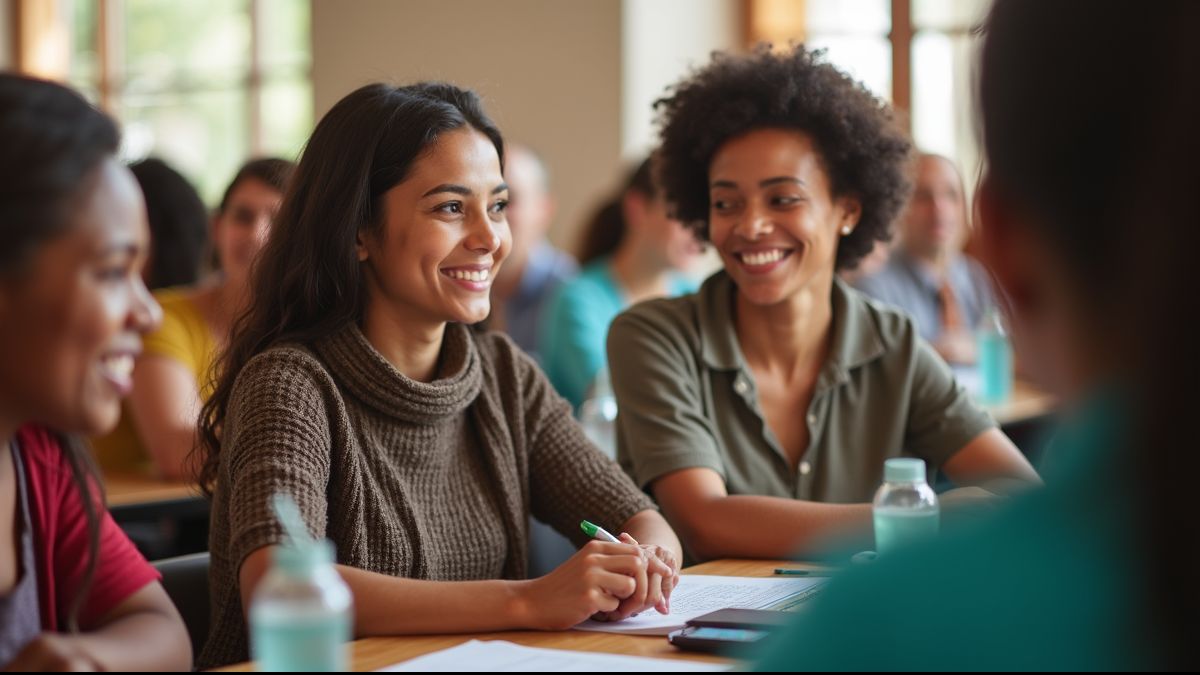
(754, 224)
(145, 314)
(485, 235)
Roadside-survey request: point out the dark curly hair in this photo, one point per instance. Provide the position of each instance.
(865, 152)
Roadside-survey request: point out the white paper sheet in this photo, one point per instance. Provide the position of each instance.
(700, 594)
(505, 657)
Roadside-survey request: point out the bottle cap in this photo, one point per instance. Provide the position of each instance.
(904, 470)
(302, 560)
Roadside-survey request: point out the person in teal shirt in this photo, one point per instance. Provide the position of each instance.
(632, 251)
(1088, 222)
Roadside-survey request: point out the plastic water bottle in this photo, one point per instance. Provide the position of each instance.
(598, 414)
(300, 616)
(905, 507)
(995, 359)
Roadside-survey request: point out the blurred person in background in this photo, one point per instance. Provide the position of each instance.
(633, 250)
(535, 269)
(927, 274)
(179, 225)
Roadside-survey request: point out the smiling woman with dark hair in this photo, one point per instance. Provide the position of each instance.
(760, 410)
(420, 446)
(74, 593)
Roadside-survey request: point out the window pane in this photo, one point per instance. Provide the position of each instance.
(166, 41)
(84, 70)
(950, 15)
(203, 134)
(865, 59)
(943, 97)
(286, 116)
(857, 17)
(285, 32)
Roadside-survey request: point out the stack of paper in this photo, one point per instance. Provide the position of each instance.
(697, 595)
(505, 657)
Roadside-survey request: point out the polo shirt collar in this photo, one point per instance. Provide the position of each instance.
(856, 338)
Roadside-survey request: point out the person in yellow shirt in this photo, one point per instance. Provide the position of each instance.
(172, 377)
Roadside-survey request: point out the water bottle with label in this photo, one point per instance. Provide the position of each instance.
(301, 612)
(995, 359)
(598, 414)
(905, 508)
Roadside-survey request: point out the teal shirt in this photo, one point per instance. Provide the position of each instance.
(575, 326)
(1049, 584)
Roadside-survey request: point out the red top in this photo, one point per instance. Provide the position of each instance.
(60, 539)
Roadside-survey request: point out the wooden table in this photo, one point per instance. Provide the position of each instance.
(138, 496)
(1027, 404)
(375, 653)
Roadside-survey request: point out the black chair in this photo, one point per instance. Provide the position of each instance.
(185, 579)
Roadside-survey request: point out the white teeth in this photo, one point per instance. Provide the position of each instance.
(763, 258)
(121, 366)
(467, 275)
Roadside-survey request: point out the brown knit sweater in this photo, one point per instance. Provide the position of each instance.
(420, 480)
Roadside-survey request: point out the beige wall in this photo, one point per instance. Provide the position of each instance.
(663, 40)
(549, 72)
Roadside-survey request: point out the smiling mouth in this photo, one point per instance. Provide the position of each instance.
(762, 258)
(118, 365)
(475, 276)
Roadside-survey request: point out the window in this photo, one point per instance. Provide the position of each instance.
(916, 53)
(204, 84)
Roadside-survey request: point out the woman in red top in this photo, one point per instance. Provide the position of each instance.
(74, 593)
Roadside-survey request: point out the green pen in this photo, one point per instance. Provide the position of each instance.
(597, 532)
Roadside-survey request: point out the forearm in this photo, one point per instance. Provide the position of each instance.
(169, 449)
(768, 527)
(387, 605)
(992, 462)
(141, 641)
(649, 527)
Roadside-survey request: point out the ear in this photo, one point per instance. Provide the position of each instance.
(851, 212)
(633, 209)
(360, 245)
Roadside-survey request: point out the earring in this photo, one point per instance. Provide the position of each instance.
(846, 229)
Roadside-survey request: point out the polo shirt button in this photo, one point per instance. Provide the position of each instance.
(805, 468)
(740, 386)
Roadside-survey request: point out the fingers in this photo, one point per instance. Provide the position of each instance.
(635, 601)
(654, 591)
(668, 585)
(615, 584)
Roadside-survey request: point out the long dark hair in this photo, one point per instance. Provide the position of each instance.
(1090, 124)
(54, 142)
(606, 228)
(307, 281)
(178, 224)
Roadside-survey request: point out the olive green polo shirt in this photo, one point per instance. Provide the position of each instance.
(686, 399)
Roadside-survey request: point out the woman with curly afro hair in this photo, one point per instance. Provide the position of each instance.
(759, 410)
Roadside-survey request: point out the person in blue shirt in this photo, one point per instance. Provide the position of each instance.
(945, 291)
(535, 269)
(632, 251)
(1088, 220)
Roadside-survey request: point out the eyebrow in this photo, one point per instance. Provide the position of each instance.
(766, 182)
(461, 189)
(118, 247)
